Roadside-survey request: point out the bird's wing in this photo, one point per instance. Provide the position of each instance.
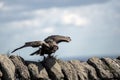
(58, 38)
(32, 44)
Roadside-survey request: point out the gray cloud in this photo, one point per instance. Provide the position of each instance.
(19, 6)
(52, 3)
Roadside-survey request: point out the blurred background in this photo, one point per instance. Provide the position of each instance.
(93, 25)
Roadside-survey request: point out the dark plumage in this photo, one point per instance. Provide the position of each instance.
(48, 46)
(32, 44)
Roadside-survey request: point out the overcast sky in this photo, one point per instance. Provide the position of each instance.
(93, 25)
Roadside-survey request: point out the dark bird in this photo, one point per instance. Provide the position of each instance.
(48, 46)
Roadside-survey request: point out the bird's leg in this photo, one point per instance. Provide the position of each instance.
(44, 57)
(53, 55)
(49, 55)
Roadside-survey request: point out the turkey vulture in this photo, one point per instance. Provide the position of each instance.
(48, 46)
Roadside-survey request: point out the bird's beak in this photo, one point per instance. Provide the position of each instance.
(68, 39)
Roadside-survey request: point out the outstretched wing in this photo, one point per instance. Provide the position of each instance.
(58, 38)
(32, 44)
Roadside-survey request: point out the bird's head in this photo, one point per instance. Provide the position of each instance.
(67, 39)
(58, 38)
